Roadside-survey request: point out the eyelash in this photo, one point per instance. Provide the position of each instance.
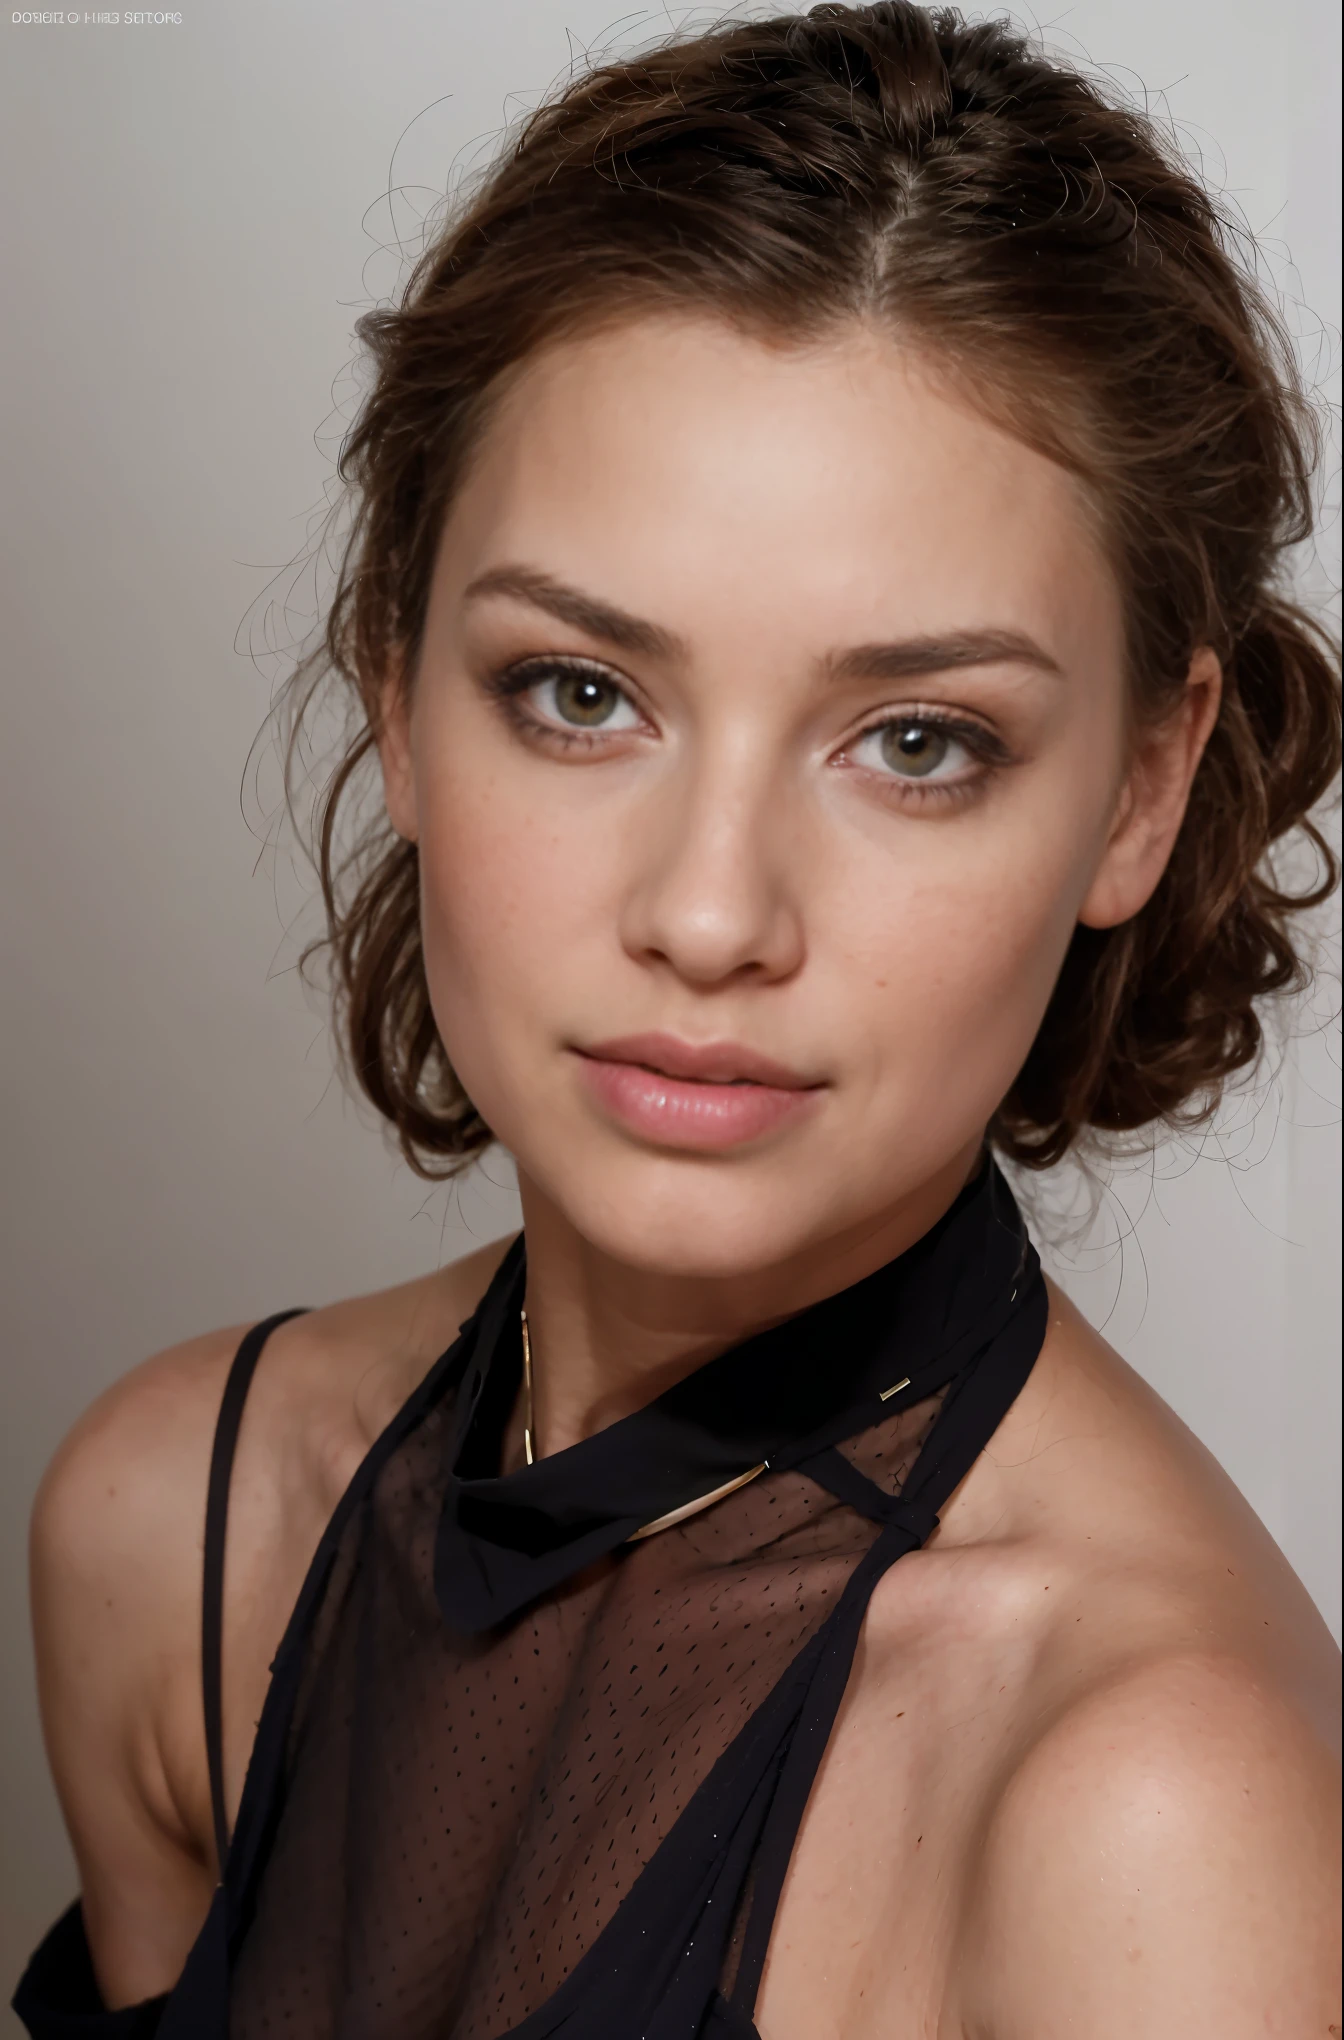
(987, 751)
(512, 684)
(509, 687)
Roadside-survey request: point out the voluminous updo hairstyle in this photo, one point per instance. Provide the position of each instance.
(1055, 255)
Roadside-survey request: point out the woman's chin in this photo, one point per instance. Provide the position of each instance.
(687, 1216)
(681, 1247)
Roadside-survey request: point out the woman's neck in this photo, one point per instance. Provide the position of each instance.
(608, 1337)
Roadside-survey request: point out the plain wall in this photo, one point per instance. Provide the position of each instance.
(192, 222)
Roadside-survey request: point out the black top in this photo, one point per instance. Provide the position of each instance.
(522, 1773)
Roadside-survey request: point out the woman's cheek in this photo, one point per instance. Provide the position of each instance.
(978, 943)
(488, 868)
(507, 899)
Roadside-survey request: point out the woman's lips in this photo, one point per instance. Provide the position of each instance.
(680, 1094)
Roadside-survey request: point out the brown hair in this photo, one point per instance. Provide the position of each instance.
(1063, 262)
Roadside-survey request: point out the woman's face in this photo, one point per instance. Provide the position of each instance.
(767, 744)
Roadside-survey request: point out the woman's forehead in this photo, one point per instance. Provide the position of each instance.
(694, 474)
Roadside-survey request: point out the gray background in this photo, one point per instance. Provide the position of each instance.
(194, 216)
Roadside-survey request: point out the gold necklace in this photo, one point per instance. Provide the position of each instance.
(660, 1522)
(527, 1391)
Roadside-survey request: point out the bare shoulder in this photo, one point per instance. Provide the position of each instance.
(1163, 1859)
(115, 1530)
(1097, 1531)
(1089, 1748)
(116, 1557)
(123, 1498)
(334, 1377)
(1145, 1500)
(115, 1567)
(118, 1518)
(1161, 1845)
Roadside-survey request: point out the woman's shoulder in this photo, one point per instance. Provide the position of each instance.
(1145, 1523)
(127, 1483)
(1162, 1804)
(1111, 1538)
(1093, 1736)
(117, 1544)
(119, 1516)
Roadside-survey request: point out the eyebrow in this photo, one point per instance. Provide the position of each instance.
(904, 659)
(940, 652)
(586, 612)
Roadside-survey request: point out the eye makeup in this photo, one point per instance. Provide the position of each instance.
(918, 754)
(905, 752)
(588, 702)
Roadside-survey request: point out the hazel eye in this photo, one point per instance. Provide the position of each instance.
(579, 699)
(913, 749)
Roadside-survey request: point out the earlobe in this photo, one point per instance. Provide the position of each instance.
(1153, 800)
(393, 737)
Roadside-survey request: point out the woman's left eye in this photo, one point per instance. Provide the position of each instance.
(913, 749)
(575, 698)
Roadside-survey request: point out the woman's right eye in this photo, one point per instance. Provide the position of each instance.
(578, 698)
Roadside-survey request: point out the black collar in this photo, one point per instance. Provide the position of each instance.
(823, 1375)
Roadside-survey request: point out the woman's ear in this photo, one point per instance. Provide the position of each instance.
(393, 737)
(1153, 800)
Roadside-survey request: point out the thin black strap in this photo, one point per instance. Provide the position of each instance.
(212, 1585)
(807, 1744)
(971, 1413)
(840, 1477)
(976, 1405)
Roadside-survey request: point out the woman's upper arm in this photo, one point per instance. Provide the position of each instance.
(116, 1589)
(1166, 1863)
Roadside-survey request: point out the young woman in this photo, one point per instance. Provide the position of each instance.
(814, 601)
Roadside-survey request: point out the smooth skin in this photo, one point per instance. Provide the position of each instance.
(772, 695)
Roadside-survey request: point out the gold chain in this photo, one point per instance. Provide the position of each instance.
(527, 1391)
(660, 1522)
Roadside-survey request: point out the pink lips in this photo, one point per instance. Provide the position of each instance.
(678, 1094)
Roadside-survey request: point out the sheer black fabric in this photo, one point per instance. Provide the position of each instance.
(518, 1776)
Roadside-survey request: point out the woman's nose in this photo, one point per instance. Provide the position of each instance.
(714, 889)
